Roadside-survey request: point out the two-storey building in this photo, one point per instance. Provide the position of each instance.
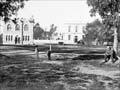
(72, 33)
(19, 32)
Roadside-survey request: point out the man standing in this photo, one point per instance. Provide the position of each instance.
(49, 54)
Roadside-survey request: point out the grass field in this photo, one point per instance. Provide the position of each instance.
(81, 72)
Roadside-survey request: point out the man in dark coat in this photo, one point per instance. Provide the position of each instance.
(49, 54)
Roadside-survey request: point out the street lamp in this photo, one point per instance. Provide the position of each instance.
(22, 31)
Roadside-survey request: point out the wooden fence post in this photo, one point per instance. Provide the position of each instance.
(37, 52)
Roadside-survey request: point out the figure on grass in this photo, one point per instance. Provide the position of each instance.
(109, 11)
(110, 54)
(49, 54)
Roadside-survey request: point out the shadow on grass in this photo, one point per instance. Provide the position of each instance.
(24, 73)
(84, 51)
(88, 57)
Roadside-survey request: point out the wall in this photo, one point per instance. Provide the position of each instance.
(72, 30)
(13, 33)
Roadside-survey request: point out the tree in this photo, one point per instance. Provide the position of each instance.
(92, 31)
(53, 28)
(109, 10)
(96, 32)
(38, 32)
(10, 7)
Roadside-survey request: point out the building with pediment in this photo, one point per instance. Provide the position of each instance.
(18, 32)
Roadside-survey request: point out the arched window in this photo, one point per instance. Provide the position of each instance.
(18, 39)
(25, 38)
(28, 38)
(25, 27)
(6, 38)
(9, 27)
(17, 27)
(11, 37)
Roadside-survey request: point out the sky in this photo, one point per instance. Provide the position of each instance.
(58, 12)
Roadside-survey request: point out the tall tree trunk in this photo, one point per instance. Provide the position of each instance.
(115, 43)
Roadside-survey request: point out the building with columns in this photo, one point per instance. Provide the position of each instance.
(18, 32)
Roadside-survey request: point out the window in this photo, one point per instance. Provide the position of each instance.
(18, 39)
(76, 28)
(25, 38)
(11, 37)
(69, 28)
(9, 27)
(17, 27)
(6, 38)
(25, 27)
(62, 37)
(69, 37)
(28, 38)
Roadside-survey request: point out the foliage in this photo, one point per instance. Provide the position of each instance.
(53, 28)
(92, 29)
(95, 31)
(108, 10)
(38, 32)
(10, 7)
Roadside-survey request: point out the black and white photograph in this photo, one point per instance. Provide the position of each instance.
(59, 44)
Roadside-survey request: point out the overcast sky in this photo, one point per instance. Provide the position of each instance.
(57, 12)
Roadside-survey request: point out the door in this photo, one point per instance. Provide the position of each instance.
(76, 39)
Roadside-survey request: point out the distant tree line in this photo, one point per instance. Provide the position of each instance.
(109, 11)
(97, 33)
(41, 34)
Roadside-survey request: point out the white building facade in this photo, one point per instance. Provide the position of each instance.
(72, 33)
(18, 33)
(1, 25)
